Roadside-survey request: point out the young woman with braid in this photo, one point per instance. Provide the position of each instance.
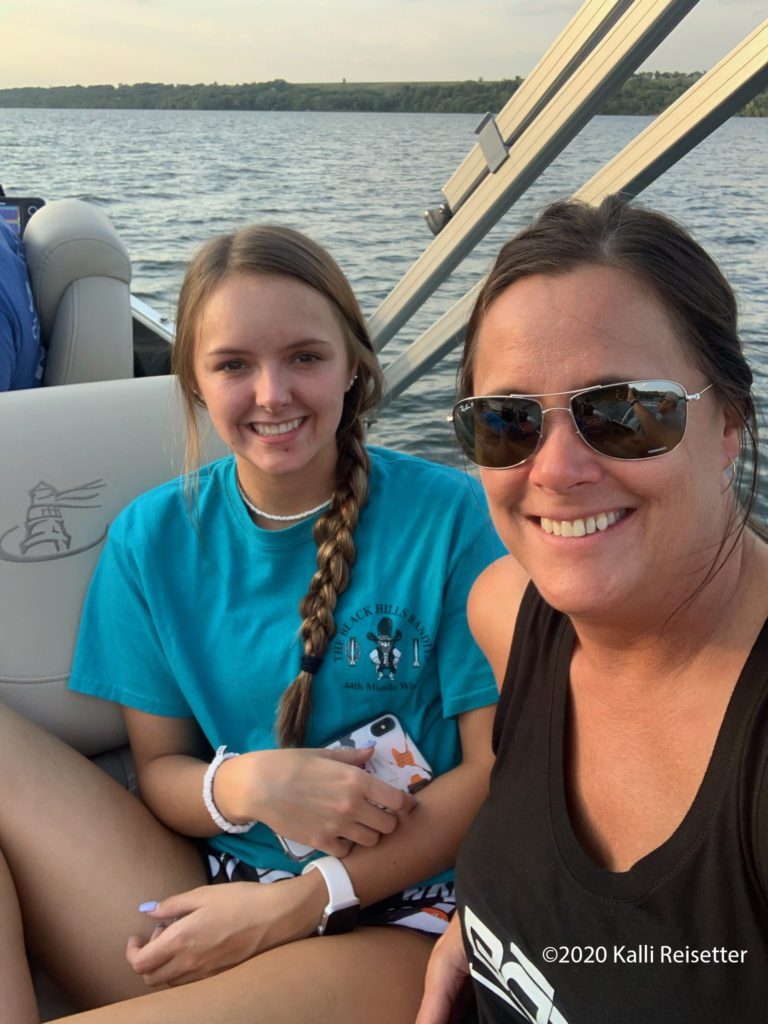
(263, 606)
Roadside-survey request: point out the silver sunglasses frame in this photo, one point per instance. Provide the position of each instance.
(693, 397)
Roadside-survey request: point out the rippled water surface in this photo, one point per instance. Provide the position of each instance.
(359, 184)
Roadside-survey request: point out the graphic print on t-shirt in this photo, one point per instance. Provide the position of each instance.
(509, 974)
(385, 643)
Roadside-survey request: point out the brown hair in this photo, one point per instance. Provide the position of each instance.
(660, 253)
(270, 249)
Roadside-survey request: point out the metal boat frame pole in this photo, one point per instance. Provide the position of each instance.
(574, 44)
(710, 101)
(614, 57)
(699, 111)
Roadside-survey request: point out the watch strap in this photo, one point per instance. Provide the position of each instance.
(340, 914)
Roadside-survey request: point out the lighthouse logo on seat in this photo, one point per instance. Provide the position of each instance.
(56, 524)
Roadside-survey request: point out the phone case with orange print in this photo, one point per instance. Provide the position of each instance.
(396, 760)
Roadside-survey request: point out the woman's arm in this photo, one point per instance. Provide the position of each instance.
(217, 926)
(492, 612)
(446, 979)
(319, 797)
(494, 602)
(169, 754)
(424, 843)
(427, 840)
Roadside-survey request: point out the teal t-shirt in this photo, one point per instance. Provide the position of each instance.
(193, 612)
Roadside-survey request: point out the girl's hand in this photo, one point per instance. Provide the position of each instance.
(204, 931)
(313, 796)
(446, 978)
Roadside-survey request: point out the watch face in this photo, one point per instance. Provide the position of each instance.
(341, 921)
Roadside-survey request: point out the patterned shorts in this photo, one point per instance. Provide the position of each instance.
(425, 908)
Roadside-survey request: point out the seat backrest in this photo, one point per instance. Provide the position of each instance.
(80, 273)
(70, 459)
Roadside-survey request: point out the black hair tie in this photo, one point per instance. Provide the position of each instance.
(311, 663)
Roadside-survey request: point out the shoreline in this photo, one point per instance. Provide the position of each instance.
(643, 94)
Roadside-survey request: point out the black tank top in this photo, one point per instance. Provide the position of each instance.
(682, 937)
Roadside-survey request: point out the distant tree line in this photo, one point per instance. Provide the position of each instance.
(438, 97)
(644, 93)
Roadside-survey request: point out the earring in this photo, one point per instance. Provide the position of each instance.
(351, 382)
(730, 479)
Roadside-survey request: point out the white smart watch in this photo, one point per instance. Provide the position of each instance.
(340, 914)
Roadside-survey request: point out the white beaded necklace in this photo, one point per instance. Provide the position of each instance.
(276, 518)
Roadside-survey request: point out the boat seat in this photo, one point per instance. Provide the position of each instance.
(80, 273)
(70, 459)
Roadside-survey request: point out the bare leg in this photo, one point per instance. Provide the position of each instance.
(374, 975)
(82, 854)
(16, 986)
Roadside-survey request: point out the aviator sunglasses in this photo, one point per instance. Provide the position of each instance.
(637, 419)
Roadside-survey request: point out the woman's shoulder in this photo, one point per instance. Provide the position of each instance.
(442, 503)
(415, 472)
(172, 502)
(493, 607)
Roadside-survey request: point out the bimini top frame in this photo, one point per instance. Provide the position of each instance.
(711, 100)
(607, 58)
(585, 30)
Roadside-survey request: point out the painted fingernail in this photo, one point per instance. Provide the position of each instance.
(368, 744)
(149, 906)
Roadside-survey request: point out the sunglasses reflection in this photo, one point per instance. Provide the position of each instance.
(505, 431)
(656, 419)
(621, 421)
(627, 423)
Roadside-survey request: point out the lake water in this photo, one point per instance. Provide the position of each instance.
(359, 183)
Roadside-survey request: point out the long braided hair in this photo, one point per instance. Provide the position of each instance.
(270, 249)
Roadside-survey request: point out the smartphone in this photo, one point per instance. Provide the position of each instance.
(396, 760)
(15, 211)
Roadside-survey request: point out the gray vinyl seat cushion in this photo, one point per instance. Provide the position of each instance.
(80, 274)
(71, 458)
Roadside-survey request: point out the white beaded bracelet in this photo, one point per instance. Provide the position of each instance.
(218, 818)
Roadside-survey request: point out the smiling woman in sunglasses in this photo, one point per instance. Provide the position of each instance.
(619, 868)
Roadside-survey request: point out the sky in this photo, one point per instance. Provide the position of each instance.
(88, 42)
